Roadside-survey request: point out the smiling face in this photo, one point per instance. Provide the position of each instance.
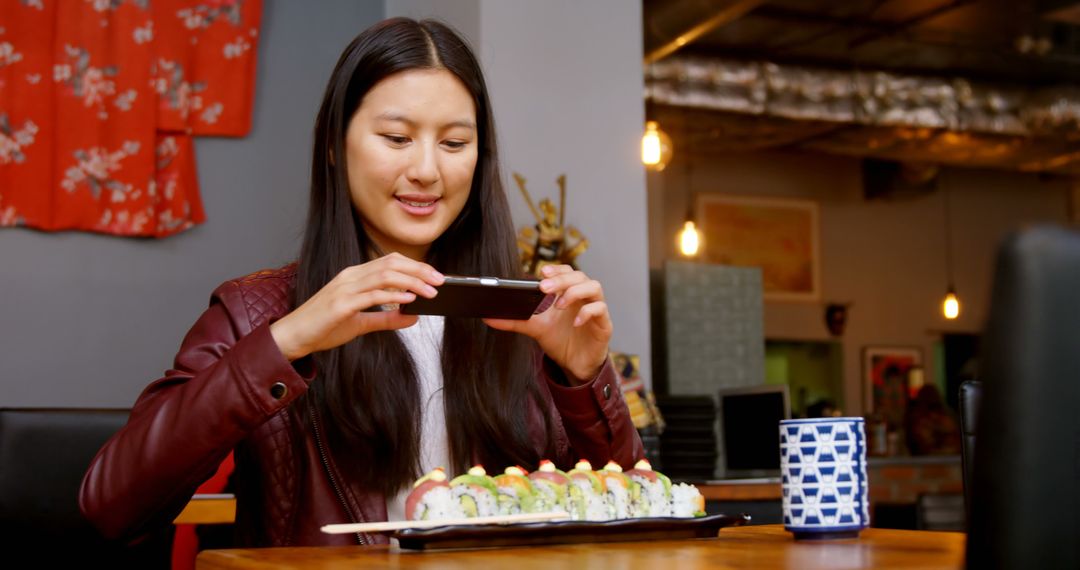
(411, 150)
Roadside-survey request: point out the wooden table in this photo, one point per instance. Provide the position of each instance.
(766, 546)
(209, 509)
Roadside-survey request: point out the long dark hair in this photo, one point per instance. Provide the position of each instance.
(367, 391)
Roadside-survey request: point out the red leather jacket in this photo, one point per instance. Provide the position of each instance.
(230, 389)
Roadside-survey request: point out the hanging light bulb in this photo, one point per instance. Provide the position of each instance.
(656, 147)
(950, 307)
(689, 239)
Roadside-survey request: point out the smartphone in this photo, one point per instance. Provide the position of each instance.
(480, 297)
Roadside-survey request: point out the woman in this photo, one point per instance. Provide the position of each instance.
(333, 400)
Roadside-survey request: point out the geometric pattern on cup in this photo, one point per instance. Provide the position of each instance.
(823, 475)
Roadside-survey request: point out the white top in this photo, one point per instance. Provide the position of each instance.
(424, 343)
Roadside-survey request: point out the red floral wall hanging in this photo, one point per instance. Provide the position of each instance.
(100, 99)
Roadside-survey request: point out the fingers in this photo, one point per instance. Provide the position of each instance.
(589, 290)
(509, 325)
(350, 305)
(392, 279)
(560, 278)
(553, 270)
(419, 269)
(571, 286)
(595, 312)
(395, 262)
(394, 271)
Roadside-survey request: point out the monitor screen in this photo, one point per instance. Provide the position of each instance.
(749, 423)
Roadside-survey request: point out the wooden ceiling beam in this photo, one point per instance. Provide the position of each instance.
(728, 12)
(909, 22)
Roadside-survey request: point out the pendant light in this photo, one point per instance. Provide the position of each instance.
(689, 238)
(656, 147)
(950, 306)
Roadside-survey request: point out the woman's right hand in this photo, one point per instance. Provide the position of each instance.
(338, 312)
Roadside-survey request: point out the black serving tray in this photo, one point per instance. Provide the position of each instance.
(565, 532)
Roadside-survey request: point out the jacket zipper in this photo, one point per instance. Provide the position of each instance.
(330, 474)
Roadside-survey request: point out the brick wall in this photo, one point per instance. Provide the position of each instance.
(896, 483)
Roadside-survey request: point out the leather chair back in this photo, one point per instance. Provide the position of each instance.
(970, 394)
(44, 454)
(1026, 492)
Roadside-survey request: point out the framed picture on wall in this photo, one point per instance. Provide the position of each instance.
(778, 235)
(886, 374)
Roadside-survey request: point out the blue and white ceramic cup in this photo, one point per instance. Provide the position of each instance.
(823, 477)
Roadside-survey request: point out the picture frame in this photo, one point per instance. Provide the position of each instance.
(886, 374)
(779, 235)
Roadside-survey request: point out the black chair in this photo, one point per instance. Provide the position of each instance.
(1026, 492)
(44, 454)
(970, 394)
(939, 511)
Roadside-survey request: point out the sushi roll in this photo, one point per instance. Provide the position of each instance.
(655, 488)
(515, 493)
(587, 494)
(431, 498)
(622, 493)
(552, 486)
(475, 493)
(686, 501)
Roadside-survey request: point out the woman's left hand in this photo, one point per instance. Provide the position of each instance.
(575, 330)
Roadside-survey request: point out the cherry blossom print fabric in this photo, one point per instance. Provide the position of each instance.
(100, 99)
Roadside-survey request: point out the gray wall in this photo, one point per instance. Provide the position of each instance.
(566, 84)
(885, 257)
(88, 320)
(462, 15)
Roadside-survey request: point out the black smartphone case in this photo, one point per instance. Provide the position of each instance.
(480, 298)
